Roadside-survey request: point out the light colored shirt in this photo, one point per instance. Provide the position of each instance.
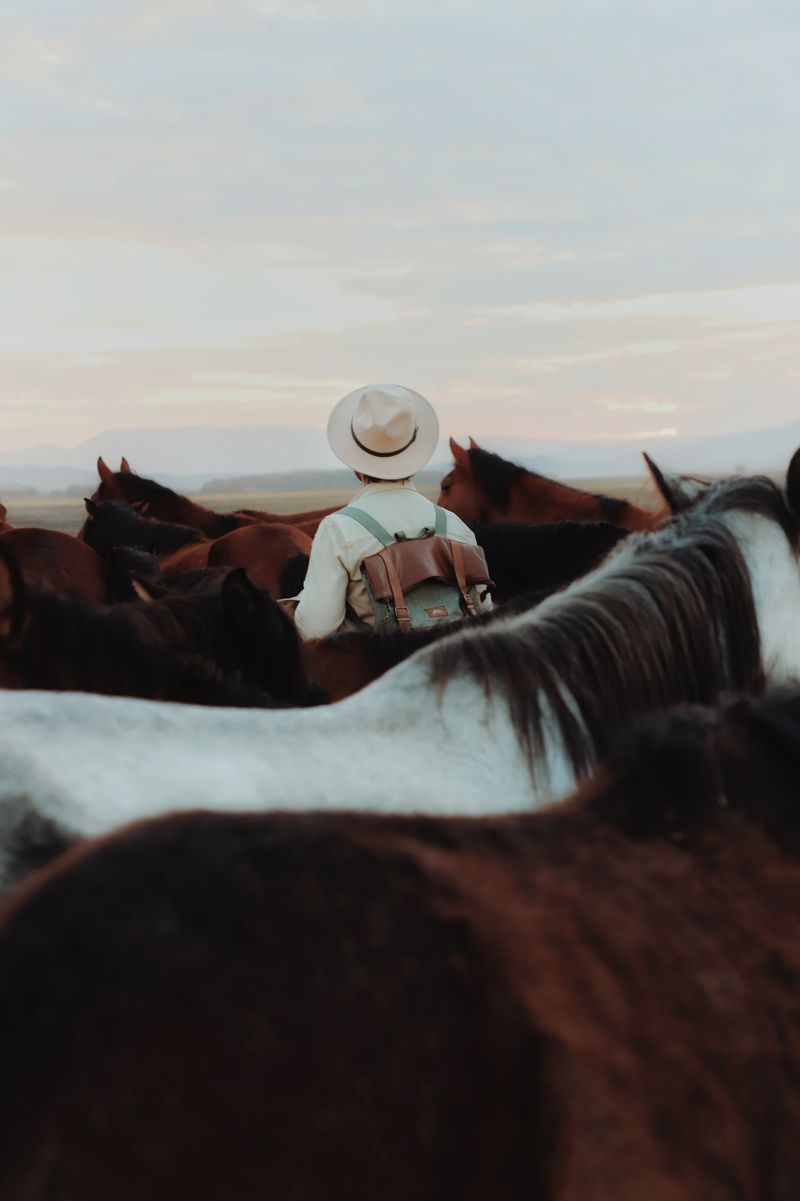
(340, 544)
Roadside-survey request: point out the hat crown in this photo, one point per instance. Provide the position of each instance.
(384, 420)
(383, 430)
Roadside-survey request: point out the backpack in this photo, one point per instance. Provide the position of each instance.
(417, 583)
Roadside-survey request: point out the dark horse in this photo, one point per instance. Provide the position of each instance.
(598, 1002)
(264, 551)
(484, 487)
(227, 644)
(165, 505)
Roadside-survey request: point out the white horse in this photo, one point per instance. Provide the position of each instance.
(496, 719)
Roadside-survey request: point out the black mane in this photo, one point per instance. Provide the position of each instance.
(150, 490)
(671, 621)
(495, 477)
(117, 524)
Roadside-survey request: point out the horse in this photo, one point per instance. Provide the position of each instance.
(598, 1001)
(165, 505)
(262, 550)
(202, 645)
(484, 487)
(59, 561)
(161, 503)
(265, 551)
(5, 524)
(502, 717)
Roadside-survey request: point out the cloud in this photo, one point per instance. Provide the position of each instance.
(530, 211)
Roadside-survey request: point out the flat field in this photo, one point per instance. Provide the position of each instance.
(68, 513)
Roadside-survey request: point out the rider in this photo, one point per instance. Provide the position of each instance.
(386, 433)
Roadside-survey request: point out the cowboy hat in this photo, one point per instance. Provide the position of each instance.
(383, 430)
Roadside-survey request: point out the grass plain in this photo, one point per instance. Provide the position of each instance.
(68, 513)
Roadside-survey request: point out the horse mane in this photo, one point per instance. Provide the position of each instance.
(686, 593)
(544, 557)
(116, 520)
(148, 489)
(496, 475)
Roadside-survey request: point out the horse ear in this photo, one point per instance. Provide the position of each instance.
(473, 445)
(124, 465)
(146, 590)
(460, 455)
(678, 491)
(793, 484)
(92, 508)
(104, 471)
(141, 506)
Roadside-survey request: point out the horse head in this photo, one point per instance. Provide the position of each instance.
(459, 491)
(266, 637)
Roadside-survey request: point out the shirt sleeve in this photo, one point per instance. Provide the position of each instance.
(321, 608)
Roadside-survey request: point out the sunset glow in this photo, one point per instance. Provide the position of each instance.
(555, 221)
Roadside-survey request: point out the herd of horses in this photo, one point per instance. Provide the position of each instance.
(507, 909)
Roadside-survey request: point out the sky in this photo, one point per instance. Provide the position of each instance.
(555, 218)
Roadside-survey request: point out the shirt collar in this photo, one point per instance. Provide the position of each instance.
(385, 486)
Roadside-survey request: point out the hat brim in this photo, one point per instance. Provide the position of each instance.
(397, 467)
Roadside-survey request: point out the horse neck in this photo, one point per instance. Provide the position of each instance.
(535, 498)
(182, 511)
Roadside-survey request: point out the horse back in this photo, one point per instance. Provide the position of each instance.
(59, 561)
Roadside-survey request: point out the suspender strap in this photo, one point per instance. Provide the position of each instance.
(376, 529)
(369, 523)
(400, 606)
(461, 576)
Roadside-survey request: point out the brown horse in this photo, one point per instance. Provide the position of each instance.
(484, 487)
(59, 561)
(262, 550)
(593, 1003)
(5, 525)
(165, 505)
(218, 641)
(308, 522)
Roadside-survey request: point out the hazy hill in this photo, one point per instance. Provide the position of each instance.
(285, 458)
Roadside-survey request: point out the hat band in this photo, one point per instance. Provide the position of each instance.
(383, 454)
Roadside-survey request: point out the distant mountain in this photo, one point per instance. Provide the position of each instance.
(190, 457)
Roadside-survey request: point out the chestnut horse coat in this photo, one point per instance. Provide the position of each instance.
(596, 1003)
